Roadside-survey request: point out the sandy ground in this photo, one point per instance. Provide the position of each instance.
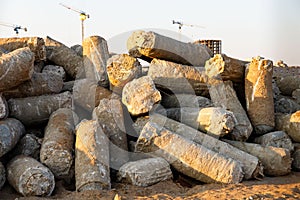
(285, 187)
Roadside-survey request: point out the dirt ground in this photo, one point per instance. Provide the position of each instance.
(285, 187)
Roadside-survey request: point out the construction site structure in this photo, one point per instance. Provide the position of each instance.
(214, 45)
(16, 28)
(82, 15)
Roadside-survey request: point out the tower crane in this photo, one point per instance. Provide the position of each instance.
(16, 28)
(181, 24)
(83, 16)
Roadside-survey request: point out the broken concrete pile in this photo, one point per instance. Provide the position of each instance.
(86, 118)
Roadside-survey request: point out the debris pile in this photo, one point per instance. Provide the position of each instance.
(89, 118)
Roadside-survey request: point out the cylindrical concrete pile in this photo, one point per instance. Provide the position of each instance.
(89, 119)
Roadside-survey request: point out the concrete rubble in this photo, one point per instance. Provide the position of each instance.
(140, 95)
(57, 147)
(259, 95)
(37, 109)
(188, 157)
(252, 167)
(90, 118)
(214, 121)
(276, 161)
(296, 95)
(87, 94)
(225, 68)
(36, 45)
(178, 78)
(11, 132)
(109, 115)
(61, 55)
(149, 45)
(145, 172)
(28, 145)
(288, 84)
(286, 104)
(296, 157)
(122, 69)
(95, 56)
(37, 180)
(16, 67)
(276, 139)
(184, 100)
(223, 95)
(55, 69)
(4, 111)
(2, 175)
(290, 123)
(39, 84)
(91, 157)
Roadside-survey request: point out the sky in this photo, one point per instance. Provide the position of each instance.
(247, 28)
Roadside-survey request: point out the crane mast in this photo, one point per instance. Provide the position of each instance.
(82, 15)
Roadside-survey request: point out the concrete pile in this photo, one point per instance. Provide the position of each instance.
(286, 81)
(90, 118)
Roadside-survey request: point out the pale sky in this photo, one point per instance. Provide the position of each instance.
(247, 28)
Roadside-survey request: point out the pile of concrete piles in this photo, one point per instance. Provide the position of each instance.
(88, 117)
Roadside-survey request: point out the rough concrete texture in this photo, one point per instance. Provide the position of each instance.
(276, 161)
(225, 68)
(184, 100)
(11, 132)
(2, 175)
(250, 164)
(140, 95)
(145, 172)
(4, 111)
(296, 95)
(62, 55)
(178, 78)
(215, 121)
(288, 84)
(259, 95)
(153, 45)
(15, 68)
(187, 157)
(290, 123)
(39, 84)
(91, 157)
(285, 104)
(78, 49)
(29, 177)
(122, 69)
(36, 45)
(28, 145)
(55, 69)
(296, 157)
(276, 139)
(87, 94)
(95, 56)
(37, 110)
(57, 147)
(223, 95)
(109, 114)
